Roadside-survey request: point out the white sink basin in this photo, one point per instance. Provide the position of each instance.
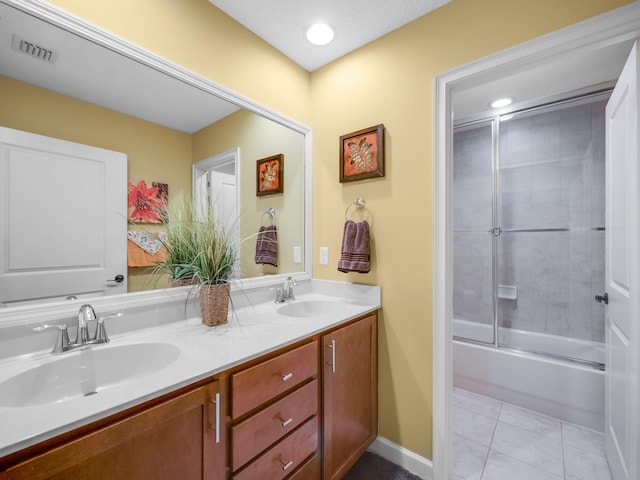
(85, 372)
(311, 308)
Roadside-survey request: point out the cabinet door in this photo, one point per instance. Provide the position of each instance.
(175, 439)
(350, 394)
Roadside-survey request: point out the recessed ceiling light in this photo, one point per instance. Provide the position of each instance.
(320, 34)
(501, 102)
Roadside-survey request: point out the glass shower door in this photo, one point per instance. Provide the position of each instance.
(473, 243)
(551, 247)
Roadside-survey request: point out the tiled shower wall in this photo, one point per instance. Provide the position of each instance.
(551, 176)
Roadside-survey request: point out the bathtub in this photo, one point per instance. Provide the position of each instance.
(565, 390)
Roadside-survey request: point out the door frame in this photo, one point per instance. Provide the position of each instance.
(619, 25)
(205, 166)
(202, 166)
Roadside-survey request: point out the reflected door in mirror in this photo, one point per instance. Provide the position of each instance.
(63, 214)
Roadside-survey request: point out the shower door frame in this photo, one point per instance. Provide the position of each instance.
(496, 230)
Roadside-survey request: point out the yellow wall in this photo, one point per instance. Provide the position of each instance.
(388, 81)
(201, 38)
(258, 137)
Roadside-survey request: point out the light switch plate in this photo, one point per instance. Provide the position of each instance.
(324, 255)
(297, 254)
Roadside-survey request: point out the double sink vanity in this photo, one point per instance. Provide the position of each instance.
(284, 390)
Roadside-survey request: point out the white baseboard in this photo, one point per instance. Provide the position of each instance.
(407, 459)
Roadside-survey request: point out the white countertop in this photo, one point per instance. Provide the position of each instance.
(251, 332)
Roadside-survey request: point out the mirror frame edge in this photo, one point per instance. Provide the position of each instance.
(52, 14)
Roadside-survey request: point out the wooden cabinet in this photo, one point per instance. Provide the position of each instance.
(173, 439)
(282, 416)
(274, 410)
(350, 381)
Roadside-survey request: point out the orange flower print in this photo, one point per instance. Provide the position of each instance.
(270, 176)
(145, 203)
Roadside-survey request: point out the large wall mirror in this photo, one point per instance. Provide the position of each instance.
(92, 88)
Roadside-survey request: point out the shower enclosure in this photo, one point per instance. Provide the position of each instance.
(528, 229)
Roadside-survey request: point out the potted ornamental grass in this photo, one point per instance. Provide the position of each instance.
(180, 247)
(213, 267)
(200, 252)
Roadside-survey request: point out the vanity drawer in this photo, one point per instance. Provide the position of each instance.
(259, 431)
(252, 387)
(284, 457)
(309, 471)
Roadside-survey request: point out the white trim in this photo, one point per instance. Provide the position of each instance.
(224, 158)
(56, 16)
(616, 26)
(420, 466)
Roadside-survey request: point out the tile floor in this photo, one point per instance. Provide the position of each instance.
(493, 440)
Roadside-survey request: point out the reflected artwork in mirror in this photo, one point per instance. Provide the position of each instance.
(99, 90)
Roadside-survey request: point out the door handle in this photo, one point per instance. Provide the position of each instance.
(603, 298)
(118, 279)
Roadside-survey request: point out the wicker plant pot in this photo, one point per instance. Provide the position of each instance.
(214, 304)
(182, 282)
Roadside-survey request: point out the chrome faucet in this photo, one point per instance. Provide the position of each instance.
(285, 293)
(86, 314)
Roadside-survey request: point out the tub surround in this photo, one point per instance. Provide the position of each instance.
(567, 391)
(256, 328)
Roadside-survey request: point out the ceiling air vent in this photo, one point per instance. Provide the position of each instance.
(33, 50)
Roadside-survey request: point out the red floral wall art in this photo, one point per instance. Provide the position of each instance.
(147, 204)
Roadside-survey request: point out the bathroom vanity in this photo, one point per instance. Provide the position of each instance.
(282, 391)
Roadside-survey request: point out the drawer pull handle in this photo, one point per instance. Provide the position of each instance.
(286, 377)
(286, 465)
(286, 422)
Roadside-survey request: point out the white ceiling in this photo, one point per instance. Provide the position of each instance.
(283, 23)
(88, 72)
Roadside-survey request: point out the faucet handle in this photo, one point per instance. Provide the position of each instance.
(279, 294)
(288, 289)
(62, 340)
(101, 332)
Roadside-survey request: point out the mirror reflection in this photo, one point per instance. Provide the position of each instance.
(58, 85)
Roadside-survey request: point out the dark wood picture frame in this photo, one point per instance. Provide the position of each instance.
(362, 154)
(270, 175)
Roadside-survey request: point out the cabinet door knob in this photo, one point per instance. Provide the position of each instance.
(286, 422)
(286, 377)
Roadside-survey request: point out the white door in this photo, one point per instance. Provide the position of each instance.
(225, 199)
(622, 274)
(63, 218)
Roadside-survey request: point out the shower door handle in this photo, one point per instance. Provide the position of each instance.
(603, 298)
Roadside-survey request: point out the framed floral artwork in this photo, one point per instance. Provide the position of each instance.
(270, 175)
(147, 204)
(362, 154)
